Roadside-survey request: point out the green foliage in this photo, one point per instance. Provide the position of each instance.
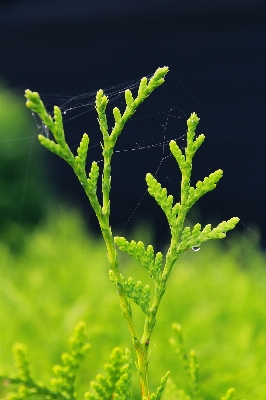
(139, 294)
(61, 387)
(217, 294)
(123, 386)
(145, 257)
(116, 384)
(191, 368)
(64, 383)
(159, 391)
(197, 236)
(230, 395)
(189, 362)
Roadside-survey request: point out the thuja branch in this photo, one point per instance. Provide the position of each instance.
(114, 384)
(63, 385)
(90, 181)
(182, 238)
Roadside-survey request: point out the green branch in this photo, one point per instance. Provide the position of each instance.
(157, 265)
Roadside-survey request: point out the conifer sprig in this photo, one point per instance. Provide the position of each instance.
(191, 368)
(160, 389)
(140, 294)
(116, 383)
(145, 257)
(182, 238)
(62, 387)
(157, 265)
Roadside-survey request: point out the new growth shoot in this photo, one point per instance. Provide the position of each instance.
(183, 238)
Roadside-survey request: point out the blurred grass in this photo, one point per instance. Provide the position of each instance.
(217, 294)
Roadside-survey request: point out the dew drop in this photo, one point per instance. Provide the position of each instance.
(195, 248)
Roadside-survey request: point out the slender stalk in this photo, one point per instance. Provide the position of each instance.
(141, 351)
(171, 257)
(109, 142)
(104, 222)
(113, 263)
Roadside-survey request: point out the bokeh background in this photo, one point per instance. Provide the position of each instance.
(217, 60)
(52, 263)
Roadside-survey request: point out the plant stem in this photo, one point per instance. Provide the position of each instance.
(141, 349)
(104, 221)
(160, 287)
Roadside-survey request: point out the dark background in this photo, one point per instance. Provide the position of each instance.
(216, 52)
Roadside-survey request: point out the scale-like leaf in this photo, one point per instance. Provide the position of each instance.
(160, 389)
(209, 183)
(82, 152)
(140, 294)
(115, 384)
(145, 257)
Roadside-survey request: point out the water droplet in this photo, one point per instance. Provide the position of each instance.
(195, 248)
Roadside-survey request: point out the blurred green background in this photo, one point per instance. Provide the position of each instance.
(22, 173)
(55, 273)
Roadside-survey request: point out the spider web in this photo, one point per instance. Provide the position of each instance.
(142, 147)
(79, 116)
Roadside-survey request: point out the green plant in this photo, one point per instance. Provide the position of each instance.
(117, 383)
